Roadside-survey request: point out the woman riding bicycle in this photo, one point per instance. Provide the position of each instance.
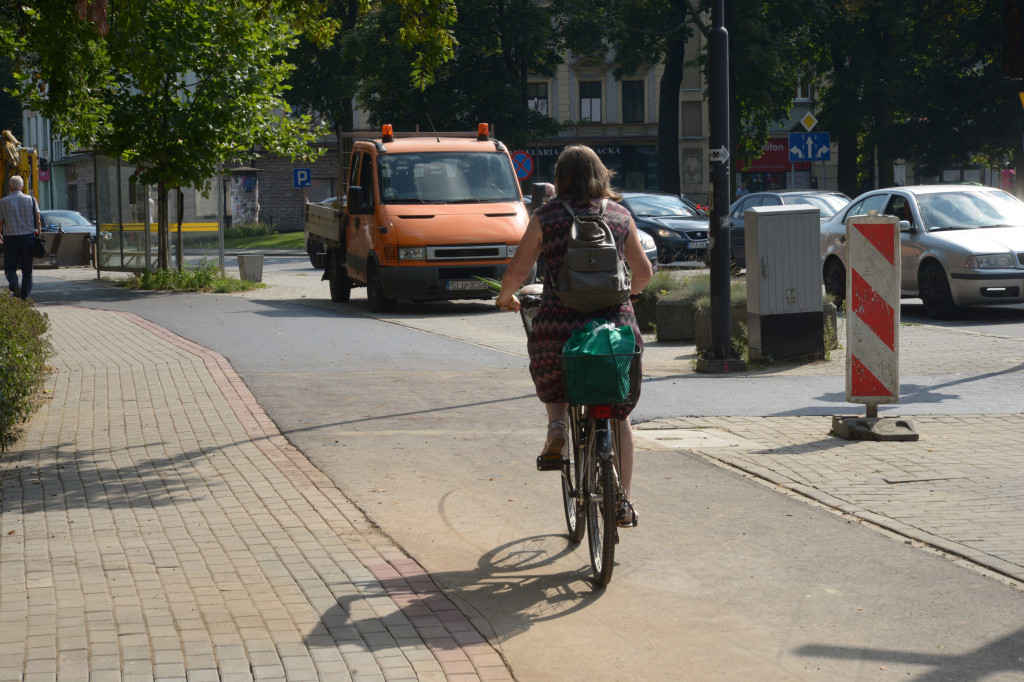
(583, 182)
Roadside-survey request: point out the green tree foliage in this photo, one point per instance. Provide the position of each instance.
(173, 86)
(920, 81)
(771, 50)
(10, 108)
(499, 44)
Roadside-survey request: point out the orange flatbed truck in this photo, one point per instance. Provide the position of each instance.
(424, 215)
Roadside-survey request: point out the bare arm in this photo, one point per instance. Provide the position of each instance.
(519, 269)
(637, 261)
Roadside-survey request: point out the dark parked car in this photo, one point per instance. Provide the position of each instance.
(679, 228)
(827, 202)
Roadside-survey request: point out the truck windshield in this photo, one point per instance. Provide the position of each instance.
(446, 178)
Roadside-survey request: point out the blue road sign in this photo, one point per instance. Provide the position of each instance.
(810, 147)
(523, 163)
(303, 177)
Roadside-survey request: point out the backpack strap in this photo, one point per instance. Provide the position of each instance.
(604, 207)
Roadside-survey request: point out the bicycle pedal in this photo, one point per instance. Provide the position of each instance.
(549, 463)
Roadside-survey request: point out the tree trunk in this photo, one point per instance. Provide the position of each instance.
(846, 141)
(162, 237)
(344, 146)
(181, 212)
(668, 118)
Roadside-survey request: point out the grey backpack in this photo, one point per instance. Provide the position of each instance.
(593, 276)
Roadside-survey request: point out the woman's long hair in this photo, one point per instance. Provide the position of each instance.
(580, 176)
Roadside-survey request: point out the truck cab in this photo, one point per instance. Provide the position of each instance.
(425, 215)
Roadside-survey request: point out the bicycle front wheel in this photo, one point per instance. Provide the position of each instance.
(600, 490)
(572, 467)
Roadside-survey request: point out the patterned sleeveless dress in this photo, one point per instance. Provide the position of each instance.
(555, 323)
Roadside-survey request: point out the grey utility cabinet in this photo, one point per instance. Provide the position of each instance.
(784, 291)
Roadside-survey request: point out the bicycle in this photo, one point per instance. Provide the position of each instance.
(591, 487)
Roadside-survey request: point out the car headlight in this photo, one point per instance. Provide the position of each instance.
(511, 249)
(646, 240)
(990, 260)
(668, 234)
(412, 253)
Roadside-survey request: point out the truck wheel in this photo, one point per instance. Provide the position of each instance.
(312, 249)
(337, 276)
(379, 303)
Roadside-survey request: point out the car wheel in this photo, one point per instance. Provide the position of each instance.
(379, 303)
(834, 276)
(934, 291)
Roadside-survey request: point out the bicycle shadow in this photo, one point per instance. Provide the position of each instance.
(506, 593)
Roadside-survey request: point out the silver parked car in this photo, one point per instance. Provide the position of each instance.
(960, 245)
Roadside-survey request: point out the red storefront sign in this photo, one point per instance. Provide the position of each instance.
(774, 158)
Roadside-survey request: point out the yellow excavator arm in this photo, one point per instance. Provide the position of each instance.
(18, 160)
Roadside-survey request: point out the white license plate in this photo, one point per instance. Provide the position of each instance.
(699, 245)
(464, 284)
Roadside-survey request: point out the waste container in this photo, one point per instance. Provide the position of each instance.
(250, 267)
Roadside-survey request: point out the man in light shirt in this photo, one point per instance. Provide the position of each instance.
(19, 224)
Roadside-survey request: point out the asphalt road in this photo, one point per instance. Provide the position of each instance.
(433, 434)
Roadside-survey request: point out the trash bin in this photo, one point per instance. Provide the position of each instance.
(250, 267)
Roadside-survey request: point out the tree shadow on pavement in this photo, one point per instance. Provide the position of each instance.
(998, 657)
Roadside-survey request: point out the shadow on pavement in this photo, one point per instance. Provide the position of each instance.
(998, 657)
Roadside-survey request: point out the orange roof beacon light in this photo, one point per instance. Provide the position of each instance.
(482, 132)
(386, 134)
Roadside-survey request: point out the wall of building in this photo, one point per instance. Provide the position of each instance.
(282, 205)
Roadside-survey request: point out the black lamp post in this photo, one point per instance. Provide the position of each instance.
(720, 357)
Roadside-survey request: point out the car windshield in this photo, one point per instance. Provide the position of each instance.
(648, 205)
(447, 178)
(966, 210)
(827, 204)
(63, 218)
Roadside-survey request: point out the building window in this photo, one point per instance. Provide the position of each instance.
(804, 93)
(71, 197)
(590, 101)
(632, 101)
(537, 97)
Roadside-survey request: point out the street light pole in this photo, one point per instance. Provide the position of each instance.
(720, 357)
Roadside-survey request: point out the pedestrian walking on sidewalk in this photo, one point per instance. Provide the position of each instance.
(19, 225)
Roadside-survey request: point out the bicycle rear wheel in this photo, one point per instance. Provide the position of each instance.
(575, 510)
(600, 482)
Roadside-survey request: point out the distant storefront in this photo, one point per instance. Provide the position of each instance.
(635, 164)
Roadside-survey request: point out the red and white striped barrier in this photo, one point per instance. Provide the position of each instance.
(873, 310)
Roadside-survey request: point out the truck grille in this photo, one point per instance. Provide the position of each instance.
(484, 252)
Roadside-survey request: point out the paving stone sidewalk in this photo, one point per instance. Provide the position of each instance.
(154, 525)
(959, 488)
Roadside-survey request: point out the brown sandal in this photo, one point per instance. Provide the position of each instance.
(550, 458)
